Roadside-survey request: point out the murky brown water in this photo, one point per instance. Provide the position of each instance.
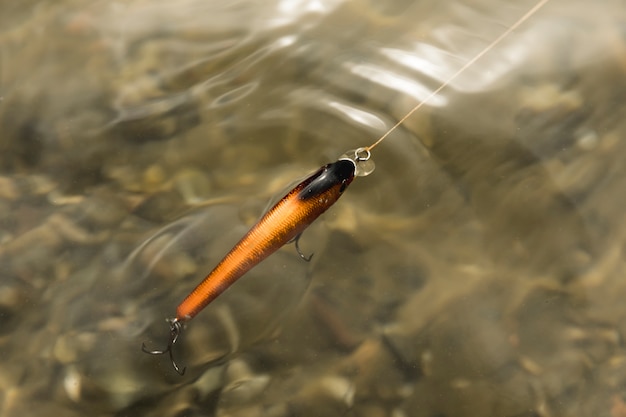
(478, 271)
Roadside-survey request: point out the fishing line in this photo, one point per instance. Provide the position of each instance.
(361, 155)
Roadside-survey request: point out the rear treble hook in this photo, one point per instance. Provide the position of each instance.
(176, 328)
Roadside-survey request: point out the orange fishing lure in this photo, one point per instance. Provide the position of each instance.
(283, 223)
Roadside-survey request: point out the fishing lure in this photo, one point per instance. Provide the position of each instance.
(281, 224)
(286, 220)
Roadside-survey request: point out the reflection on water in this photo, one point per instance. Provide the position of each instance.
(477, 271)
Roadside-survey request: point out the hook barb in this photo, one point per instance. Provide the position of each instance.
(302, 255)
(176, 328)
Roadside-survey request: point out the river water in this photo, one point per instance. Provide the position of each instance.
(478, 271)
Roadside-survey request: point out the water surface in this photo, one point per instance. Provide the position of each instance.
(477, 271)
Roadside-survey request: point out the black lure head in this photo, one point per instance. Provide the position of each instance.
(334, 176)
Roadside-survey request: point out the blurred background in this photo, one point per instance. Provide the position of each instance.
(478, 271)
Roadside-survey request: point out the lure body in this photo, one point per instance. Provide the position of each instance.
(281, 224)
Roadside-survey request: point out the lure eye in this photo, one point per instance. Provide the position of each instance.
(343, 186)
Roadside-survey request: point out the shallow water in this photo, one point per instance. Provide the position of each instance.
(478, 270)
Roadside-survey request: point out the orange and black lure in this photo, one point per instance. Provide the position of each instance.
(283, 223)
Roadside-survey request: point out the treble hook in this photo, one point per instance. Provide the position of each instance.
(302, 255)
(175, 329)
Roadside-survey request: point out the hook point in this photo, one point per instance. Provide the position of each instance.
(175, 329)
